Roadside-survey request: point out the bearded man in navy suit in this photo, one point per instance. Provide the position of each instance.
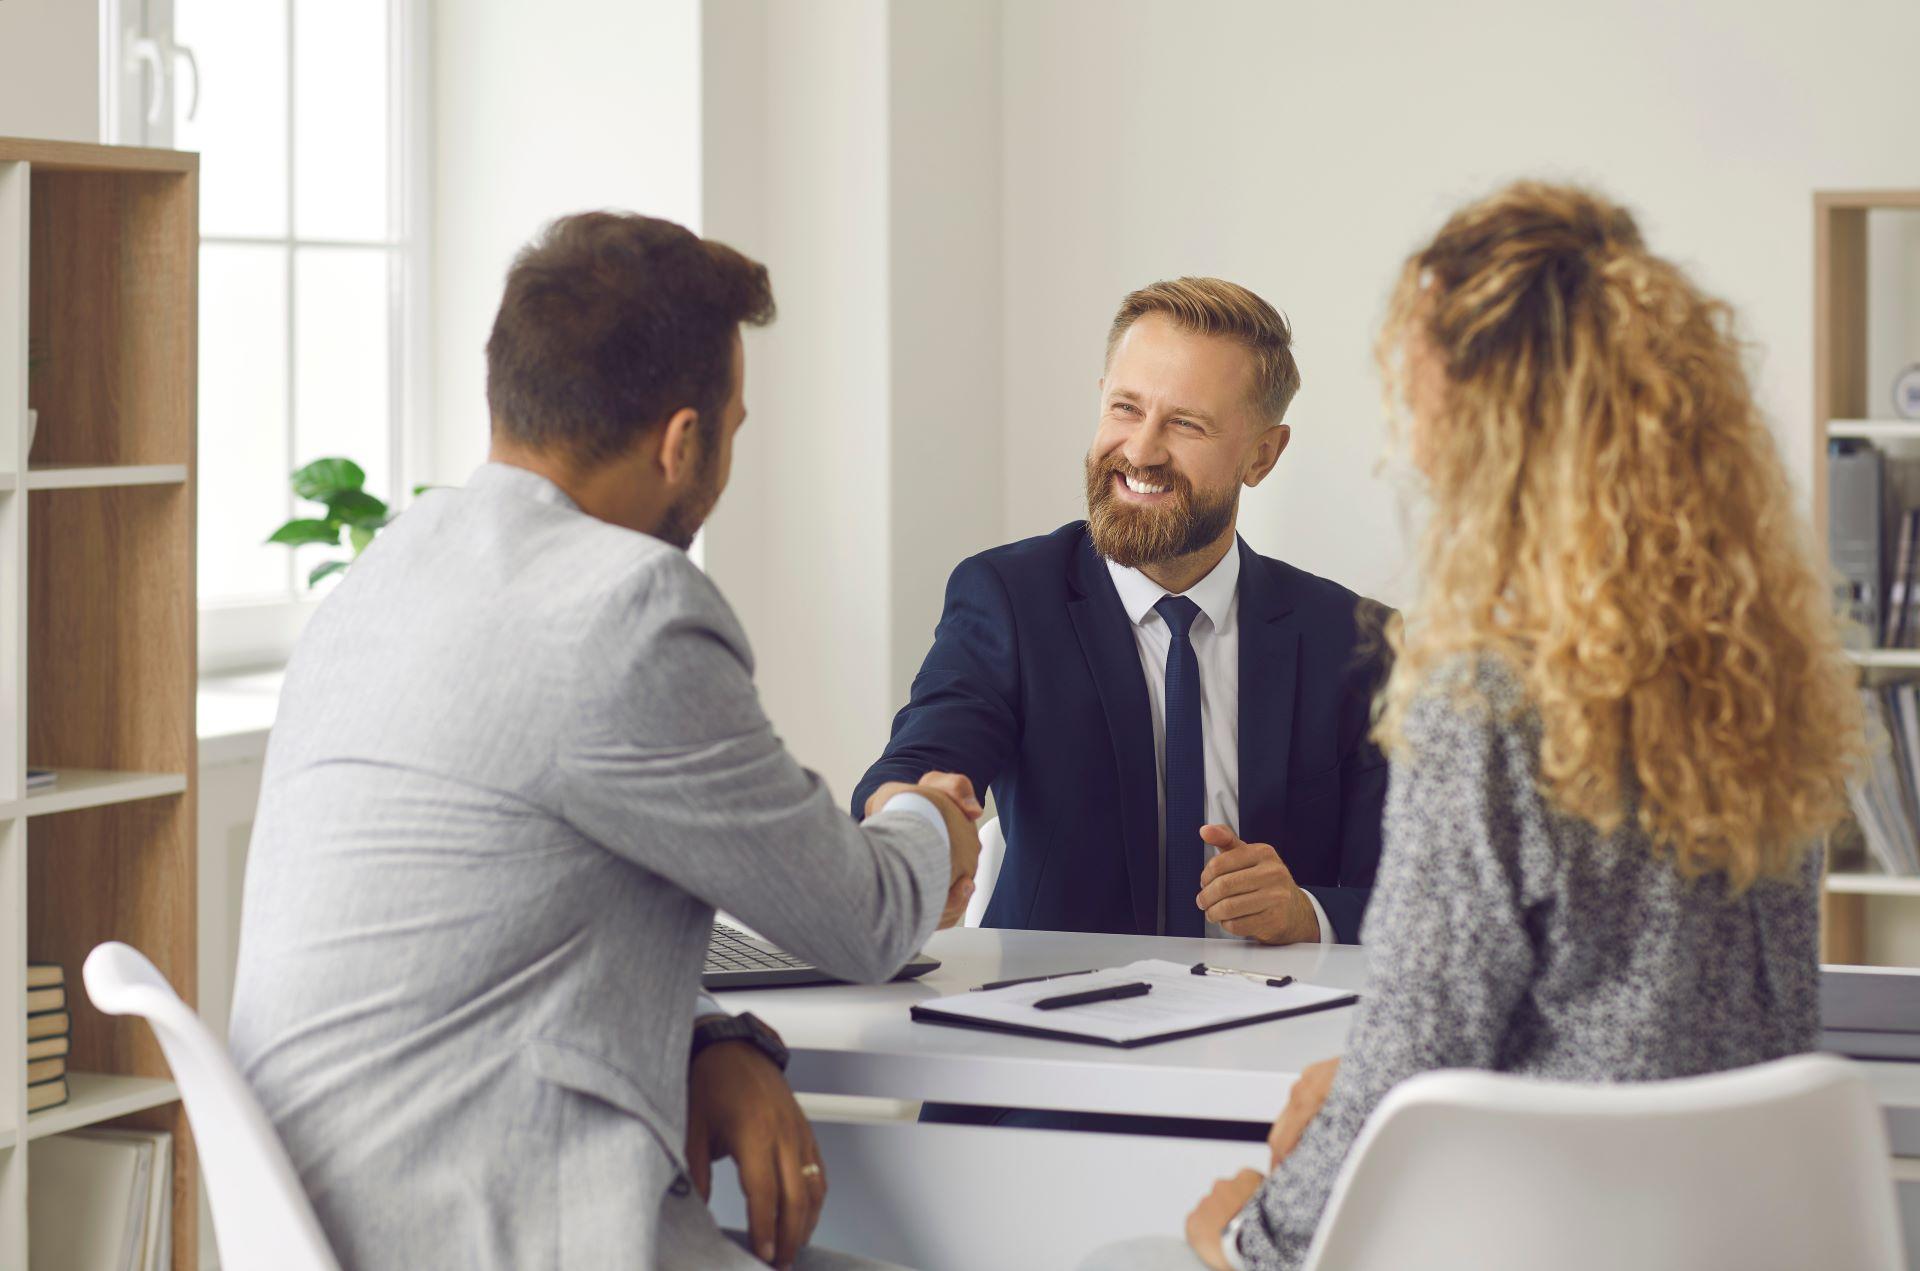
(1174, 727)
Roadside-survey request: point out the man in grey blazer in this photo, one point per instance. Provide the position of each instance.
(518, 764)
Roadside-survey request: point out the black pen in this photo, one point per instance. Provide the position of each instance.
(1113, 993)
(1031, 979)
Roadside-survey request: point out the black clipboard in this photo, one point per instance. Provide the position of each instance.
(928, 1015)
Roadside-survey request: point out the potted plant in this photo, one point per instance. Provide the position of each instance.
(338, 485)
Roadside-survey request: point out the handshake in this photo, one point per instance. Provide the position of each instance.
(953, 794)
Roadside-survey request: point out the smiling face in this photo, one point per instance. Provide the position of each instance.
(1179, 435)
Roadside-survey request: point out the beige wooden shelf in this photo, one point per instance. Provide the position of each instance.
(99, 269)
(87, 788)
(75, 476)
(93, 1097)
(1875, 429)
(1881, 659)
(1863, 884)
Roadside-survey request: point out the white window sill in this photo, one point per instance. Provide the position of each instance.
(235, 714)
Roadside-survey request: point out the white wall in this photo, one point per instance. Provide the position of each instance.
(49, 76)
(540, 110)
(854, 146)
(1303, 149)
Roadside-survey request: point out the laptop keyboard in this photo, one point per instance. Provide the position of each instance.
(732, 949)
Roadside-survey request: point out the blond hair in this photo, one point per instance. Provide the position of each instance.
(1610, 520)
(1213, 306)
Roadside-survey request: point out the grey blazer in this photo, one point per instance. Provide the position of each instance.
(519, 762)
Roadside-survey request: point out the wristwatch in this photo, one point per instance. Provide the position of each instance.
(745, 1027)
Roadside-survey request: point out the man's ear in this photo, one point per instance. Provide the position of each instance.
(1267, 452)
(680, 446)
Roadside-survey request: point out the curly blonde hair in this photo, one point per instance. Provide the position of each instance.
(1610, 521)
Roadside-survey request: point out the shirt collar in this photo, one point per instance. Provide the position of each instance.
(1214, 593)
(522, 481)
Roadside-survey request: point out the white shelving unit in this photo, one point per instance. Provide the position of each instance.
(89, 788)
(1868, 884)
(95, 1097)
(1874, 429)
(98, 277)
(76, 476)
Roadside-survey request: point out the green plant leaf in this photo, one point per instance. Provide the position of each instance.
(324, 478)
(298, 533)
(356, 508)
(359, 537)
(323, 570)
(422, 489)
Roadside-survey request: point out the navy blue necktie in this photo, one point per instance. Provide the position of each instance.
(1186, 780)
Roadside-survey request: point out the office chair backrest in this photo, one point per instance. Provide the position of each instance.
(1784, 1165)
(262, 1220)
(993, 850)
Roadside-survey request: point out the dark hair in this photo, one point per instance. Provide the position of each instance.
(610, 323)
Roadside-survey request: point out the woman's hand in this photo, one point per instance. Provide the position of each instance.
(1304, 1102)
(1208, 1222)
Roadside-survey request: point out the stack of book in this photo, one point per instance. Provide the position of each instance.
(101, 1200)
(39, 779)
(1900, 624)
(1886, 801)
(49, 1035)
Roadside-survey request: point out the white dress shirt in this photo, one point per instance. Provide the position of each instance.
(1215, 636)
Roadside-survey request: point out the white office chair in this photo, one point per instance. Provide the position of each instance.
(993, 851)
(262, 1220)
(1782, 1166)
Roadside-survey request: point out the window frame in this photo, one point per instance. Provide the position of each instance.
(254, 635)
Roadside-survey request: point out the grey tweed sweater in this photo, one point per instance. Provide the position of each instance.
(1505, 935)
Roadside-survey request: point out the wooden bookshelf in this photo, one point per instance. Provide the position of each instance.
(1843, 407)
(98, 278)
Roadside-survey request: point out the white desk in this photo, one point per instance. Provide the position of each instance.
(895, 1186)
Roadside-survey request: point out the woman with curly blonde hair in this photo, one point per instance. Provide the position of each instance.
(1620, 720)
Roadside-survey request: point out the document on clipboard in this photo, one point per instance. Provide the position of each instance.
(1178, 1004)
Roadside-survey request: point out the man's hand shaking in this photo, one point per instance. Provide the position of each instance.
(953, 794)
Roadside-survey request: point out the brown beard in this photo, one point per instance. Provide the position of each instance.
(1134, 536)
(682, 521)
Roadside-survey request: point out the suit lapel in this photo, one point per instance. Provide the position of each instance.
(1106, 638)
(1269, 671)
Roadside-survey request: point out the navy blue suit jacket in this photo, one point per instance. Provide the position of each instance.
(1033, 688)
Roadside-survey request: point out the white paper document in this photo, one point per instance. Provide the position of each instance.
(1179, 1004)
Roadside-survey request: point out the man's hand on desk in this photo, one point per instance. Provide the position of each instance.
(1304, 1101)
(739, 1105)
(953, 794)
(1208, 1222)
(1250, 892)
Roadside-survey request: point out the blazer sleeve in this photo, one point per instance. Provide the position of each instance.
(1363, 797)
(1451, 954)
(1363, 785)
(963, 713)
(673, 765)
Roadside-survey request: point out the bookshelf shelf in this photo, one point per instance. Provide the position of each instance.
(1885, 659)
(76, 476)
(8, 482)
(89, 788)
(7, 1139)
(1874, 429)
(1865, 884)
(93, 1097)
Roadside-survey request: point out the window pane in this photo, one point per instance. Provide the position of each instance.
(340, 119)
(243, 422)
(342, 398)
(241, 127)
